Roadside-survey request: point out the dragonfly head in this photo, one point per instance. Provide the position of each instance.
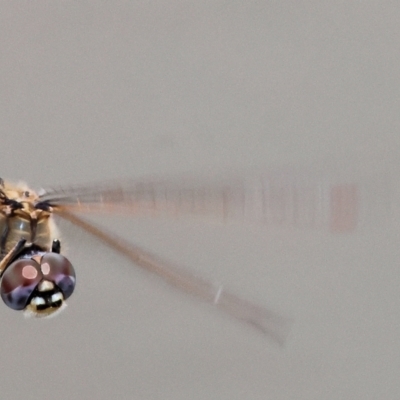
(38, 284)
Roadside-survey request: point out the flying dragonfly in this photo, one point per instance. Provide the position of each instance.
(37, 279)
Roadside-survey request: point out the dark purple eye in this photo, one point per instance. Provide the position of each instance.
(58, 269)
(18, 283)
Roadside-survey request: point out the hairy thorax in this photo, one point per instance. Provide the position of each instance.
(21, 219)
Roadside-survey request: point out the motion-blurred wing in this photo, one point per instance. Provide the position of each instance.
(264, 320)
(278, 200)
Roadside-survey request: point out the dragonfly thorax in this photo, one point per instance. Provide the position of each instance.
(20, 217)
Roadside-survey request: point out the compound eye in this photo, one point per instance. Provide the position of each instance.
(58, 269)
(18, 282)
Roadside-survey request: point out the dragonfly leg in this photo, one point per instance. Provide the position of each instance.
(56, 246)
(12, 254)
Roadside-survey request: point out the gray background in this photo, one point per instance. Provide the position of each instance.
(125, 89)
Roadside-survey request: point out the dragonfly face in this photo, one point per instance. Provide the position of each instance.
(38, 283)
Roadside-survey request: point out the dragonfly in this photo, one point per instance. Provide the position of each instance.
(37, 279)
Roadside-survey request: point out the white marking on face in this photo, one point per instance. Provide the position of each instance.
(57, 297)
(45, 286)
(37, 301)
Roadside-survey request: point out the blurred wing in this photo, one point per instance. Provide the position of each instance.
(264, 320)
(152, 197)
(278, 200)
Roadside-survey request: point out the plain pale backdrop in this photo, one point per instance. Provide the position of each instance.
(104, 90)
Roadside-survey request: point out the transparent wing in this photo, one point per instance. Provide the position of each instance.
(283, 199)
(186, 196)
(264, 320)
(279, 199)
